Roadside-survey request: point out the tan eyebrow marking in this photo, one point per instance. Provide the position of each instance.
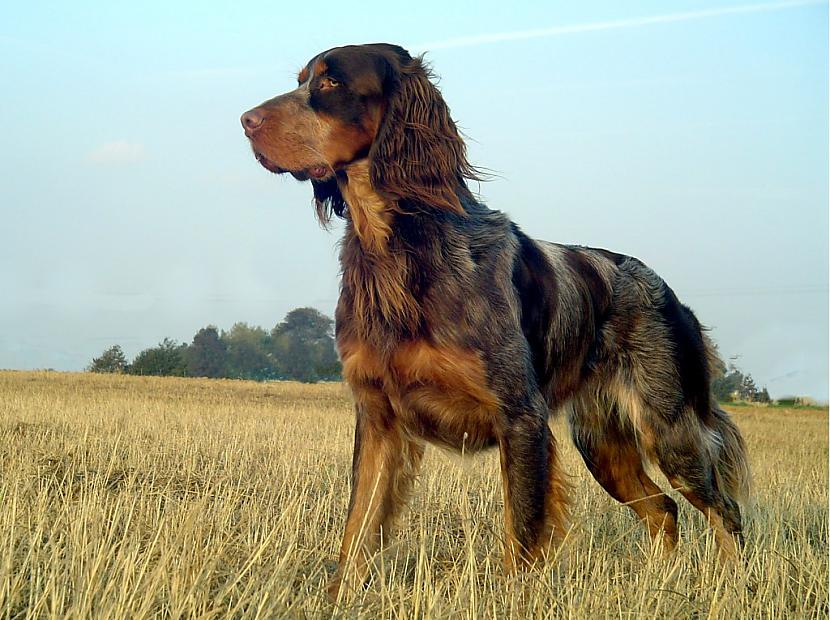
(320, 67)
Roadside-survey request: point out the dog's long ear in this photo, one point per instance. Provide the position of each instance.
(328, 200)
(418, 155)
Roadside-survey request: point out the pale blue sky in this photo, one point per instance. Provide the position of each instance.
(132, 208)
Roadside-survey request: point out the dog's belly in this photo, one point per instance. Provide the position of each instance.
(449, 417)
(437, 393)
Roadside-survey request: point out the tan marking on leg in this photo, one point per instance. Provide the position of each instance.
(615, 461)
(556, 504)
(727, 546)
(512, 548)
(385, 469)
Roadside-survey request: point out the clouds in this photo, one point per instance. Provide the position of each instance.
(118, 152)
(637, 22)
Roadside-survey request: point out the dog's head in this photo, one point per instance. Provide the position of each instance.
(364, 101)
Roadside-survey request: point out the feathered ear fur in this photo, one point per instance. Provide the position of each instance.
(328, 200)
(418, 155)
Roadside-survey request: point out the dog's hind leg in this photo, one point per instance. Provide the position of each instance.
(610, 451)
(722, 513)
(535, 493)
(687, 452)
(384, 467)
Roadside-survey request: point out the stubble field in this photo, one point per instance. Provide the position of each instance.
(127, 497)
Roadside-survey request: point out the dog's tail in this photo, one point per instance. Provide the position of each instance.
(732, 464)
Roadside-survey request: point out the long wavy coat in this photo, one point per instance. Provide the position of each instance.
(457, 329)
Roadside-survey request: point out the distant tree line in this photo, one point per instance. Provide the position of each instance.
(729, 384)
(301, 347)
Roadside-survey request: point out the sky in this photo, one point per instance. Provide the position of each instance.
(690, 134)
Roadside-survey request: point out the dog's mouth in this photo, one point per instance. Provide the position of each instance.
(318, 172)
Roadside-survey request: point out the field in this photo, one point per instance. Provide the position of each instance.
(127, 497)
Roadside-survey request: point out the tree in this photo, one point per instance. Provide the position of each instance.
(748, 390)
(300, 347)
(734, 385)
(248, 353)
(112, 360)
(166, 359)
(303, 345)
(307, 323)
(727, 387)
(207, 355)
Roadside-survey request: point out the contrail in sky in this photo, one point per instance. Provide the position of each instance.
(618, 24)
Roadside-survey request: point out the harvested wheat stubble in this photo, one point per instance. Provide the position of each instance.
(127, 497)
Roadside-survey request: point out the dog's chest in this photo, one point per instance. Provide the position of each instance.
(437, 393)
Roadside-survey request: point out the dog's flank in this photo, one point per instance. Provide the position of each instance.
(455, 328)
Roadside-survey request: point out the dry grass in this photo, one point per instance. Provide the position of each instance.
(128, 497)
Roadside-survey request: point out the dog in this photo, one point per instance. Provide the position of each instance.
(455, 328)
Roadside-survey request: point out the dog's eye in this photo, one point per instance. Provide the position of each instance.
(328, 82)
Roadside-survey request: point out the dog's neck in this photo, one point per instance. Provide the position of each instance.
(376, 290)
(370, 213)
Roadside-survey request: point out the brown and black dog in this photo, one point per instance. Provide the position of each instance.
(455, 328)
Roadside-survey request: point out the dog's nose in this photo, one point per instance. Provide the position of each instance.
(252, 120)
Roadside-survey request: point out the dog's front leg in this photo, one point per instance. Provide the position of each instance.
(535, 494)
(384, 466)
